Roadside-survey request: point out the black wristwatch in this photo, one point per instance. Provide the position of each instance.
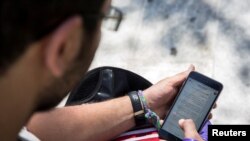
(139, 113)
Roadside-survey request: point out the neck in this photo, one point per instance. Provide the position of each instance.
(18, 100)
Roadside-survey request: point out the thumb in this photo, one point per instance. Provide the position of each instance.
(189, 129)
(178, 79)
(161, 122)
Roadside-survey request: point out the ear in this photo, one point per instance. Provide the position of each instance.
(64, 45)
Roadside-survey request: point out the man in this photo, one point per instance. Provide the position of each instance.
(45, 48)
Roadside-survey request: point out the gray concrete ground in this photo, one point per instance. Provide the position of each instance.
(159, 38)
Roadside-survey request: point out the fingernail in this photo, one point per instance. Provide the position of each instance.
(181, 121)
(191, 68)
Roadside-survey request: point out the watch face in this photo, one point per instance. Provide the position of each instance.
(136, 103)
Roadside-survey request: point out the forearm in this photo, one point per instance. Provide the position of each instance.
(99, 121)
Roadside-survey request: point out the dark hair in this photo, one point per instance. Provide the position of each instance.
(25, 21)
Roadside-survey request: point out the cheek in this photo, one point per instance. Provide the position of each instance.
(98, 40)
(91, 53)
(106, 6)
(95, 43)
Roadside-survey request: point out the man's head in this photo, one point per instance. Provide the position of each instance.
(47, 45)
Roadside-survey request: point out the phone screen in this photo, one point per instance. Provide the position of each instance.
(194, 102)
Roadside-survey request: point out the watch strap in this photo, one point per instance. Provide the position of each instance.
(139, 113)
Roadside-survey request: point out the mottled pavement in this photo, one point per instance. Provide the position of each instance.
(159, 38)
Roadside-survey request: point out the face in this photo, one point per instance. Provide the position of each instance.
(61, 87)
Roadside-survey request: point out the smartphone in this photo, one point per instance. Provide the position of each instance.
(194, 101)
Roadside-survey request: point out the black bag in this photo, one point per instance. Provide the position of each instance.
(106, 83)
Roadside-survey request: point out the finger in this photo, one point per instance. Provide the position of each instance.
(161, 122)
(215, 106)
(178, 79)
(187, 125)
(210, 116)
(189, 129)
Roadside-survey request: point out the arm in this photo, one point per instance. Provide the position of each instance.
(103, 121)
(100, 121)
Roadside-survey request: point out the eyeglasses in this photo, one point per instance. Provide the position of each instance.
(112, 19)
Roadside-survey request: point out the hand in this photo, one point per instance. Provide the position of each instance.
(189, 124)
(161, 95)
(189, 129)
